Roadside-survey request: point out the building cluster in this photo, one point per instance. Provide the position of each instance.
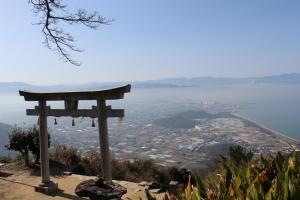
(196, 147)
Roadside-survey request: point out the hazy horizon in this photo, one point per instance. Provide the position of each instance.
(134, 81)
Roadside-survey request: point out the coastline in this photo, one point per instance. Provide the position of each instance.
(290, 141)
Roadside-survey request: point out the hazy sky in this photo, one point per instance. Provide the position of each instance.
(152, 39)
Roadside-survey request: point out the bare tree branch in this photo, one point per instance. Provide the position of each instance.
(55, 37)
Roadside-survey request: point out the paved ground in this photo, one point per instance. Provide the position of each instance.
(19, 185)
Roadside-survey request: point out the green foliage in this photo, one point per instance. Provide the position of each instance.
(89, 163)
(67, 156)
(25, 141)
(5, 159)
(241, 177)
(141, 168)
(180, 175)
(34, 145)
(200, 186)
(18, 140)
(191, 193)
(267, 178)
(71, 159)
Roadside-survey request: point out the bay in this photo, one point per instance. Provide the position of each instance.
(275, 106)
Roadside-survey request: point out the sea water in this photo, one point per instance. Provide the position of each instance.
(275, 106)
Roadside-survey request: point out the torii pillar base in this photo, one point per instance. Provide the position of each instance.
(47, 188)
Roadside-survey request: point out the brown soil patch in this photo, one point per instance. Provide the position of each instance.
(19, 185)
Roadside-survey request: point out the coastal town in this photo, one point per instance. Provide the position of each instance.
(190, 139)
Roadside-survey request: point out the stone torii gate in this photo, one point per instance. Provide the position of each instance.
(71, 99)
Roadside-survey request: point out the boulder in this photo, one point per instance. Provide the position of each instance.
(96, 189)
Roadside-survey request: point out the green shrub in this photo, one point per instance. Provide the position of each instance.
(67, 156)
(25, 141)
(242, 177)
(120, 170)
(180, 175)
(91, 163)
(5, 159)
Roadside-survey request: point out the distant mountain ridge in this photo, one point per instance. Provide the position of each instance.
(221, 81)
(171, 82)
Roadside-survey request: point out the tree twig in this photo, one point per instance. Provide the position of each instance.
(55, 37)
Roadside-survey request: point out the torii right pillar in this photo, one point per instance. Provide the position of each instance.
(104, 141)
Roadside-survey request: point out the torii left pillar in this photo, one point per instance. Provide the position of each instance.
(46, 186)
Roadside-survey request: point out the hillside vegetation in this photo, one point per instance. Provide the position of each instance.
(241, 177)
(237, 176)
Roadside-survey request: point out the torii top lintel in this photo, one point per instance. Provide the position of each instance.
(107, 94)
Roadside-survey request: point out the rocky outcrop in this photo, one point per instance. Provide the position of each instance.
(96, 189)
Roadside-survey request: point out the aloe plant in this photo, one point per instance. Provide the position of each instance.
(243, 178)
